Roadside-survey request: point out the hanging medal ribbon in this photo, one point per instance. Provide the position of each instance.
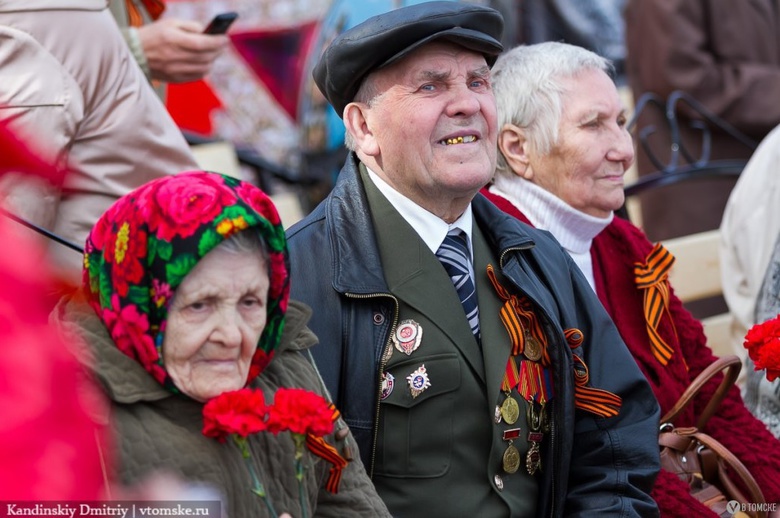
(596, 401)
(535, 383)
(322, 449)
(528, 339)
(533, 379)
(525, 330)
(653, 278)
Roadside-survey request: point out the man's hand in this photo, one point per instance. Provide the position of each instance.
(177, 51)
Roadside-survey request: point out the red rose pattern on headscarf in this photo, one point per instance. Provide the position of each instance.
(147, 242)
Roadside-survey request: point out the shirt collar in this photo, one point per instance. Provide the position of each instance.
(431, 228)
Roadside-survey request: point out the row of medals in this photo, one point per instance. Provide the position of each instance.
(536, 416)
(407, 339)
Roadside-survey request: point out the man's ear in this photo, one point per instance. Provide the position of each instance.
(357, 124)
(513, 144)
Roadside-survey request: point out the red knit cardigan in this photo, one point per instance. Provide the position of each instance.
(614, 252)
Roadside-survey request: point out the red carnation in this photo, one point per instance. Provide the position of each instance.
(763, 345)
(300, 412)
(239, 412)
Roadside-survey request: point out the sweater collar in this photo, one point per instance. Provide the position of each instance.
(573, 229)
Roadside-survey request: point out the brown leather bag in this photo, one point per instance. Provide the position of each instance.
(703, 462)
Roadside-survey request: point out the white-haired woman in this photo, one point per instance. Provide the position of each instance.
(564, 149)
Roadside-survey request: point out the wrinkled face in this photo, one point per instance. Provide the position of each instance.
(434, 125)
(214, 323)
(594, 149)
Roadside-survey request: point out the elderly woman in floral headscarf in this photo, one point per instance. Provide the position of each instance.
(194, 342)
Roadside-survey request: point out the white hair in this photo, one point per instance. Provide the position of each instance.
(528, 83)
(246, 241)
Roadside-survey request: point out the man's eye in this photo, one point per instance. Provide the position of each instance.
(428, 87)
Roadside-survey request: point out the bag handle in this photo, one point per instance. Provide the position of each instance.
(756, 496)
(732, 364)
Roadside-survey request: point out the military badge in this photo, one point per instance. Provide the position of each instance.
(407, 337)
(388, 382)
(418, 381)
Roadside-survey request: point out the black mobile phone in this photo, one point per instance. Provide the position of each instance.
(220, 23)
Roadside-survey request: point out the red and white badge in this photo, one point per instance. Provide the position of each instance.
(388, 382)
(407, 336)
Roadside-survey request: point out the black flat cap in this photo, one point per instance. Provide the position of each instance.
(386, 38)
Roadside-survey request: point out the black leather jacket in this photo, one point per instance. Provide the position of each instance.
(611, 463)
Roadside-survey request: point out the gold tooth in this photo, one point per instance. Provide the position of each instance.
(457, 140)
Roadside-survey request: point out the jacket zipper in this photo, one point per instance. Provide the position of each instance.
(382, 363)
(513, 249)
(553, 446)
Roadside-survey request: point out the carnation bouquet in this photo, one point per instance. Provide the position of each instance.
(306, 416)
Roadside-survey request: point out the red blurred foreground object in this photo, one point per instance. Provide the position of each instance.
(53, 428)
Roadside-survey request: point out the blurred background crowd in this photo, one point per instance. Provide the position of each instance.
(700, 78)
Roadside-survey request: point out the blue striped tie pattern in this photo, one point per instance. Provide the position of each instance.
(456, 259)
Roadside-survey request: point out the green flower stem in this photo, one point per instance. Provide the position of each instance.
(258, 487)
(300, 442)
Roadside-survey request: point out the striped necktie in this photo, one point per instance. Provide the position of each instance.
(456, 259)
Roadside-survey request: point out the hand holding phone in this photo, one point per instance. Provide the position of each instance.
(220, 23)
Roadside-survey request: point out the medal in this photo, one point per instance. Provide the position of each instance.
(510, 410)
(388, 382)
(407, 336)
(511, 459)
(533, 459)
(532, 349)
(418, 381)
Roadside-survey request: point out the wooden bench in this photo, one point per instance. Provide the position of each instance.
(695, 276)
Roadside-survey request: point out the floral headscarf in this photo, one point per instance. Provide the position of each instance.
(141, 249)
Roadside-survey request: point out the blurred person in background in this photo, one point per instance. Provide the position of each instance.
(748, 235)
(762, 396)
(167, 49)
(724, 54)
(68, 80)
(564, 150)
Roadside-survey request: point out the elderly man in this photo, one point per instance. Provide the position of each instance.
(455, 340)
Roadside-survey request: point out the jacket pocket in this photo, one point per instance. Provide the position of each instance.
(416, 438)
